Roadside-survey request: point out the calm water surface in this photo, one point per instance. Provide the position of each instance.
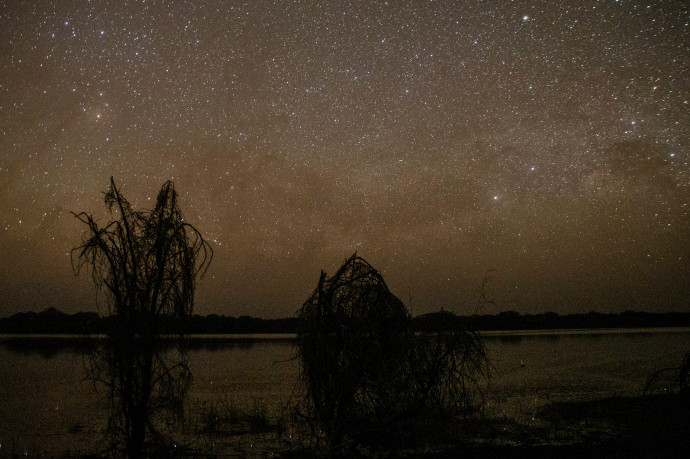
(47, 403)
(533, 370)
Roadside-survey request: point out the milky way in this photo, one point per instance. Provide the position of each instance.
(547, 141)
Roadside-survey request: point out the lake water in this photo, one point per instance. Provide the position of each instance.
(48, 405)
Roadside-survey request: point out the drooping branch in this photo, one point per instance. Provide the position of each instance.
(148, 260)
(145, 263)
(363, 367)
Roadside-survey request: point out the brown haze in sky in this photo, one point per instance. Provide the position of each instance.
(438, 139)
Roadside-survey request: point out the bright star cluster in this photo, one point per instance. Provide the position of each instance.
(547, 140)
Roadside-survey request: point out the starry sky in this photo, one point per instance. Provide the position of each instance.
(545, 140)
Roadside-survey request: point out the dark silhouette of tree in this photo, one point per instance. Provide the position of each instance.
(365, 370)
(145, 262)
(347, 342)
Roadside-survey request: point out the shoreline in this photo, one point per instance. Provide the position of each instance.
(292, 336)
(610, 427)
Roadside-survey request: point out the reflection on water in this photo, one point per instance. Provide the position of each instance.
(50, 346)
(48, 404)
(556, 333)
(532, 371)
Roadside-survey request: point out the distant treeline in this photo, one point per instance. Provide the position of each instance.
(511, 320)
(53, 321)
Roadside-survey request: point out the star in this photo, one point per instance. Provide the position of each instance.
(297, 134)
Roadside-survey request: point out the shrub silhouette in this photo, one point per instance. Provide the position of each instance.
(146, 263)
(364, 369)
(670, 380)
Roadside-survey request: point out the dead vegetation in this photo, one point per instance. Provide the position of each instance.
(368, 377)
(670, 380)
(145, 263)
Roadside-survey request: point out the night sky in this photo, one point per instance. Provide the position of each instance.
(547, 140)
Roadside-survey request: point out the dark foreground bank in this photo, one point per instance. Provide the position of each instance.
(645, 426)
(650, 426)
(619, 427)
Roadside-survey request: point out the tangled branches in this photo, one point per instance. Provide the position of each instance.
(146, 263)
(366, 370)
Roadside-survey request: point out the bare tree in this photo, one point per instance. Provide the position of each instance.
(349, 346)
(365, 370)
(145, 263)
